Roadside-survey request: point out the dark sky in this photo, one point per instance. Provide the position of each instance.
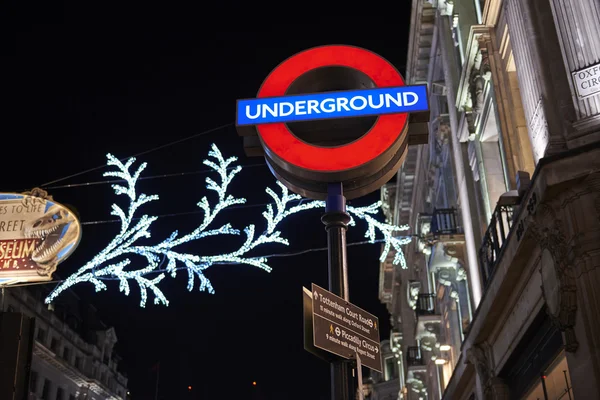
(79, 83)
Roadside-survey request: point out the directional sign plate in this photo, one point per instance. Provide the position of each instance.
(344, 329)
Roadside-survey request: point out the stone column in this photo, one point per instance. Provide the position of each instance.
(578, 27)
(528, 35)
(451, 78)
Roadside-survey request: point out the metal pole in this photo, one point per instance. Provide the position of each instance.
(567, 382)
(336, 223)
(544, 386)
(361, 393)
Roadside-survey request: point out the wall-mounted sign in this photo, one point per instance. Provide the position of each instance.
(587, 81)
(36, 234)
(332, 114)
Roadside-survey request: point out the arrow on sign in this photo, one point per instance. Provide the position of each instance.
(316, 295)
(376, 349)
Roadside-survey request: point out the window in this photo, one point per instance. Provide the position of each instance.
(11, 309)
(41, 335)
(458, 49)
(46, 389)
(54, 344)
(389, 368)
(557, 381)
(60, 394)
(66, 353)
(71, 397)
(78, 362)
(33, 380)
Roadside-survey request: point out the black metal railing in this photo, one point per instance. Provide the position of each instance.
(414, 356)
(494, 239)
(425, 304)
(444, 221)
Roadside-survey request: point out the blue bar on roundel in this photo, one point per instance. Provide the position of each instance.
(329, 105)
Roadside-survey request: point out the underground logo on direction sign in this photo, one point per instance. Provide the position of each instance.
(329, 105)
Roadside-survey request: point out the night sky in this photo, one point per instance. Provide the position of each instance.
(79, 83)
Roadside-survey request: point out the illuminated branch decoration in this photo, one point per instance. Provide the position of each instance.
(112, 262)
(389, 239)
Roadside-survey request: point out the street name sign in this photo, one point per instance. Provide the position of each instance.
(587, 81)
(345, 329)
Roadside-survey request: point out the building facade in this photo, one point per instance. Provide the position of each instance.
(384, 385)
(73, 355)
(499, 299)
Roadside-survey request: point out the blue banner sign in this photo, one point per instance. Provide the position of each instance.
(329, 105)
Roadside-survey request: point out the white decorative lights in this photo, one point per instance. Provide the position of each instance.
(112, 262)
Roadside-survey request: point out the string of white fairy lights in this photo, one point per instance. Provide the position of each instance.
(274, 255)
(96, 272)
(114, 261)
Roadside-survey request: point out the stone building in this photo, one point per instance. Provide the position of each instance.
(499, 299)
(384, 385)
(73, 356)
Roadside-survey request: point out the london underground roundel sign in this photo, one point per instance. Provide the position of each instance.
(332, 114)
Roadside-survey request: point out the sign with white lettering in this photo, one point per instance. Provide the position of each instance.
(587, 81)
(332, 113)
(342, 104)
(35, 235)
(344, 329)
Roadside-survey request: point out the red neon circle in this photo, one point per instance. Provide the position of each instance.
(278, 138)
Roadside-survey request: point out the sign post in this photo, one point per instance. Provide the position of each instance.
(361, 393)
(336, 221)
(332, 122)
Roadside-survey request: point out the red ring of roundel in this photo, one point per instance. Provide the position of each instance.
(382, 135)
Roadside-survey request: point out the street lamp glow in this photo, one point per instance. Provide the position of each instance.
(440, 361)
(445, 347)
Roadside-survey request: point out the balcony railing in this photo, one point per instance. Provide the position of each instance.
(414, 356)
(443, 221)
(495, 239)
(425, 304)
